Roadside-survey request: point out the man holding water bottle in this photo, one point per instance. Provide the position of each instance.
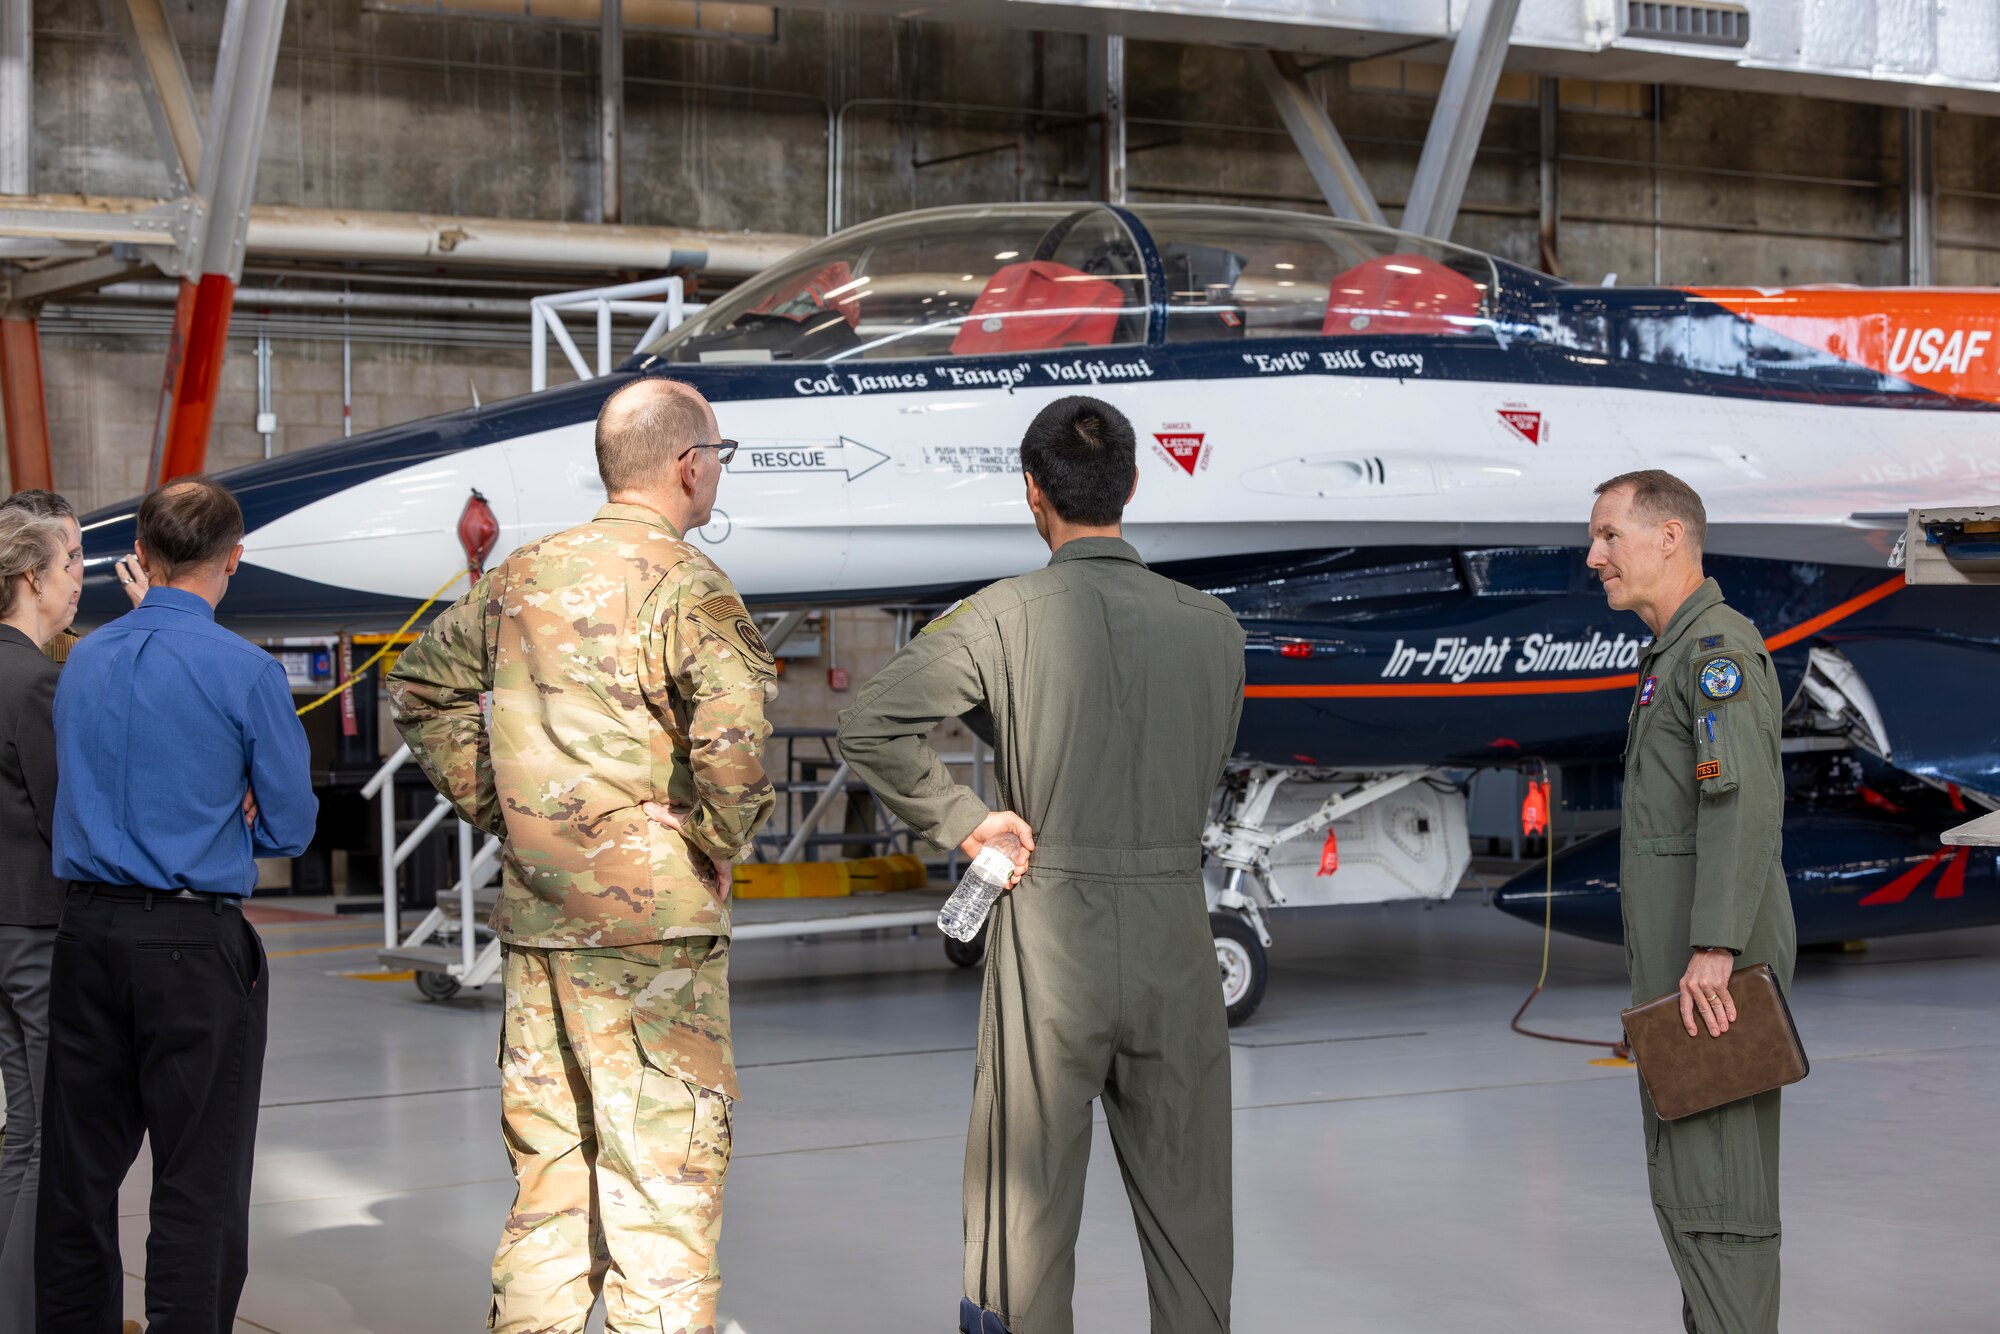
(1111, 695)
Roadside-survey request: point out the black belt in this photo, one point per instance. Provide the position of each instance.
(142, 894)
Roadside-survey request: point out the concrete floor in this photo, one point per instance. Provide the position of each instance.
(1403, 1162)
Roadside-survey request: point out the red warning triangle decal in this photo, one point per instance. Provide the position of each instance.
(1527, 425)
(1182, 449)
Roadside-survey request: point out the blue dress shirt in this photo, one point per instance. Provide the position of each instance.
(163, 718)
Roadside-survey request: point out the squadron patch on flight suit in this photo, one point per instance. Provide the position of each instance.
(939, 621)
(1646, 690)
(1708, 769)
(1720, 678)
(729, 619)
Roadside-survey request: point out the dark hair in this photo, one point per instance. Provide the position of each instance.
(41, 504)
(188, 523)
(1659, 496)
(1081, 452)
(643, 428)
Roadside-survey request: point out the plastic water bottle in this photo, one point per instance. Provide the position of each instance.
(985, 881)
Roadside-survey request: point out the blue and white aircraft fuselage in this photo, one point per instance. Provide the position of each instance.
(1380, 449)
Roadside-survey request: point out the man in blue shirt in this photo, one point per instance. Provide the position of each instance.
(179, 761)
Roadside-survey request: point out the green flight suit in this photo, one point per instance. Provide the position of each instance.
(1699, 868)
(1111, 695)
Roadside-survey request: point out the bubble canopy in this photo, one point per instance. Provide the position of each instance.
(1019, 278)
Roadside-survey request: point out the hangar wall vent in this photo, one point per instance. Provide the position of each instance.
(1706, 24)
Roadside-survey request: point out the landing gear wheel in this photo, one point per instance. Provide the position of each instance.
(437, 986)
(966, 953)
(1240, 956)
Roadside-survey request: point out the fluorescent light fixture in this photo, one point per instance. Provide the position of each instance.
(848, 287)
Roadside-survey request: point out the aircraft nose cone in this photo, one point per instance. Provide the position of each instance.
(1580, 899)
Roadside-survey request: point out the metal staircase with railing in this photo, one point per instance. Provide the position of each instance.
(451, 947)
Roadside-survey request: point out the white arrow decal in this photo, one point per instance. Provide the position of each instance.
(849, 457)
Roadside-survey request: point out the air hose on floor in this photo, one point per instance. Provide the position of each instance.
(1619, 1049)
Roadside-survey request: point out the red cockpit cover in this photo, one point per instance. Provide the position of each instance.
(1401, 294)
(1038, 306)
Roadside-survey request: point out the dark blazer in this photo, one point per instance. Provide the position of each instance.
(30, 894)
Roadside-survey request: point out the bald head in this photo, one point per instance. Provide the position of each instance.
(643, 430)
(187, 525)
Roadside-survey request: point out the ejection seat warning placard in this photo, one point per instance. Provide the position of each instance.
(969, 459)
(850, 458)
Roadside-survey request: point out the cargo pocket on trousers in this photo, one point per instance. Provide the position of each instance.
(1686, 1168)
(981, 1140)
(978, 1151)
(1738, 1240)
(680, 1131)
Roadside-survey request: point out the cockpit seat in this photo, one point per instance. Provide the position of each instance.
(1038, 306)
(1401, 294)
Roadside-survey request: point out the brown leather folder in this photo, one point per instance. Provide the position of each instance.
(1760, 1052)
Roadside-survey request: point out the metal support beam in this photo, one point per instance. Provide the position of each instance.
(1319, 143)
(17, 97)
(163, 82)
(1919, 197)
(1107, 102)
(22, 407)
(83, 275)
(1469, 81)
(611, 111)
(172, 227)
(357, 236)
(1551, 178)
(233, 139)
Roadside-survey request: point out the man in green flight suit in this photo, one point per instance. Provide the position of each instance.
(1111, 696)
(1700, 880)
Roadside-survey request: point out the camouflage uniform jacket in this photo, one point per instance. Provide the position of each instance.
(623, 669)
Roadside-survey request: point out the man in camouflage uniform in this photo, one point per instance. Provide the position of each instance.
(621, 767)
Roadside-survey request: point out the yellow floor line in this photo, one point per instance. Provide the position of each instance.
(345, 924)
(360, 975)
(325, 949)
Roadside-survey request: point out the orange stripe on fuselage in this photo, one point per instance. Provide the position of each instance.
(1787, 638)
(1577, 685)
(1431, 689)
(1944, 340)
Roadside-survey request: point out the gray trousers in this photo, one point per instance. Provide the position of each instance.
(1098, 990)
(1715, 1192)
(25, 954)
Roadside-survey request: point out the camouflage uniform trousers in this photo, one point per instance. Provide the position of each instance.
(618, 1163)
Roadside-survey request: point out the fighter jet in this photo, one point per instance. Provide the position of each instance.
(1379, 448)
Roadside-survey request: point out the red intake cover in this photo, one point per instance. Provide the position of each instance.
(478, 530)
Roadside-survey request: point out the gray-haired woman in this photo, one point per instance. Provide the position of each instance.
(41, 573)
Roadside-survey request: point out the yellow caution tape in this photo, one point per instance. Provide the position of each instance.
(382, 652)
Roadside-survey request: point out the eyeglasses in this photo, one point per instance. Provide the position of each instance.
(725, 450)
